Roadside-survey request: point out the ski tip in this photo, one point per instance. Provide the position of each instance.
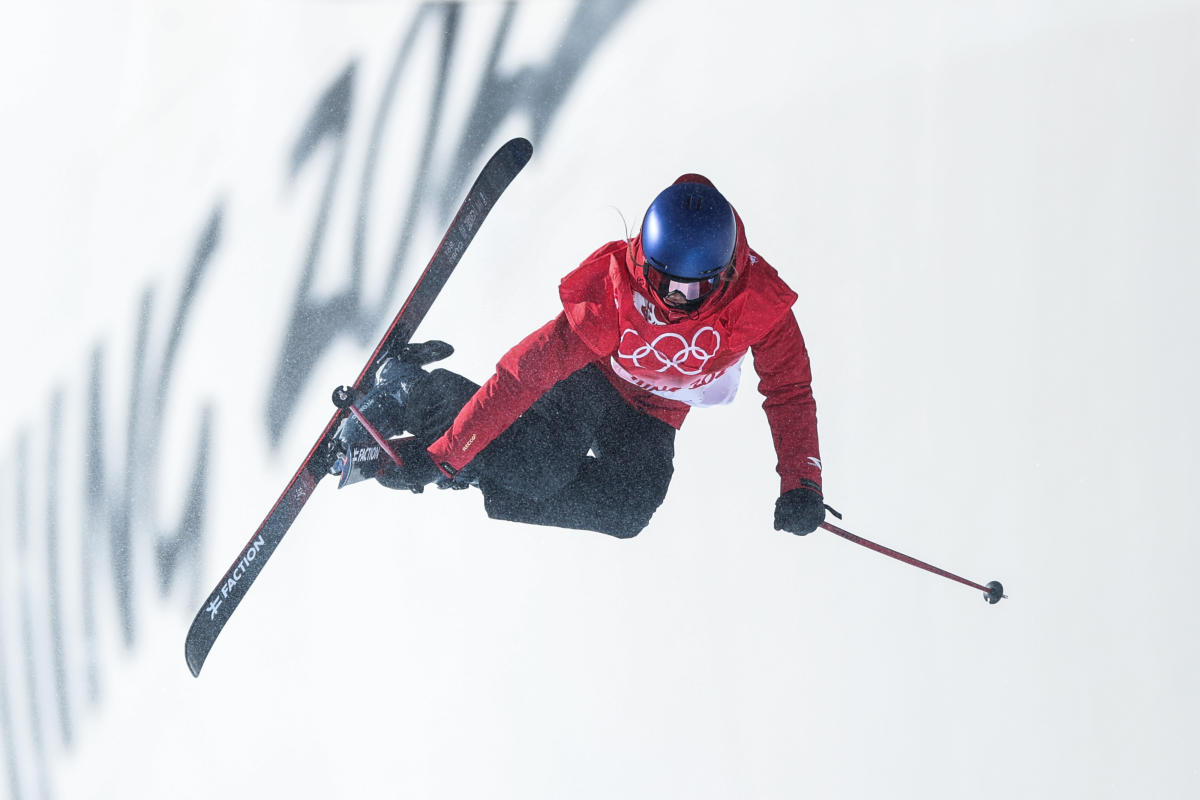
(195, 650)
(521, 148)
(194, 664)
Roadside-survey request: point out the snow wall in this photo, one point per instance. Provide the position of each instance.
(989, 211)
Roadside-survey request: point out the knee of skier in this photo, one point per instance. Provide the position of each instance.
(630, 521)
(627, 529)
(638, 507)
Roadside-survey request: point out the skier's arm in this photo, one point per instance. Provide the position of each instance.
(785, 377)
(524, 374)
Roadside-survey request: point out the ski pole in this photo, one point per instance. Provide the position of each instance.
(993, 592)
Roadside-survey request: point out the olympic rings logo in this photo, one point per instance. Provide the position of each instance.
(686, 353)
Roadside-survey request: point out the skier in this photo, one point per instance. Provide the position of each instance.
(576, 428)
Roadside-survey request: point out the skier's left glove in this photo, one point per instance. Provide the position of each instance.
(799, 511)
(417, 469)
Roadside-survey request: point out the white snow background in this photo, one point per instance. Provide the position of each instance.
(990, 213)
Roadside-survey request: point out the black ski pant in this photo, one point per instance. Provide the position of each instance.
(580, 457)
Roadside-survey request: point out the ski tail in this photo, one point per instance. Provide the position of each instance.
(233, 586)
(493, 179)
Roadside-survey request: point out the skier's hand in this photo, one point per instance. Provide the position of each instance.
(799, 511)
(417, 470)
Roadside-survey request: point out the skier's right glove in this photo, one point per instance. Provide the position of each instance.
(417, 469)
(799, 511)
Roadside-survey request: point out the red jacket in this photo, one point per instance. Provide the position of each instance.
(661, 361)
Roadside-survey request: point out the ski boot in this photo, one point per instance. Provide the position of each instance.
(358, 456)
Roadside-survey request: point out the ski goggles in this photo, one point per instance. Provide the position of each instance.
(691, 291)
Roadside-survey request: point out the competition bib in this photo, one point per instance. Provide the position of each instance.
(683, 361)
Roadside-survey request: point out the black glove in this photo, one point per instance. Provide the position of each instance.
(417, 469)
(799, 511)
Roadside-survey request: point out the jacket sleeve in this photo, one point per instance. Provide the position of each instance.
(785, 378)
(524, 374)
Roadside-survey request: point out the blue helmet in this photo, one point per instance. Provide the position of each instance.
(689, 232)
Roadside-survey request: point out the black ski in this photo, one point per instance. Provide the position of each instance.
(492, 181)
